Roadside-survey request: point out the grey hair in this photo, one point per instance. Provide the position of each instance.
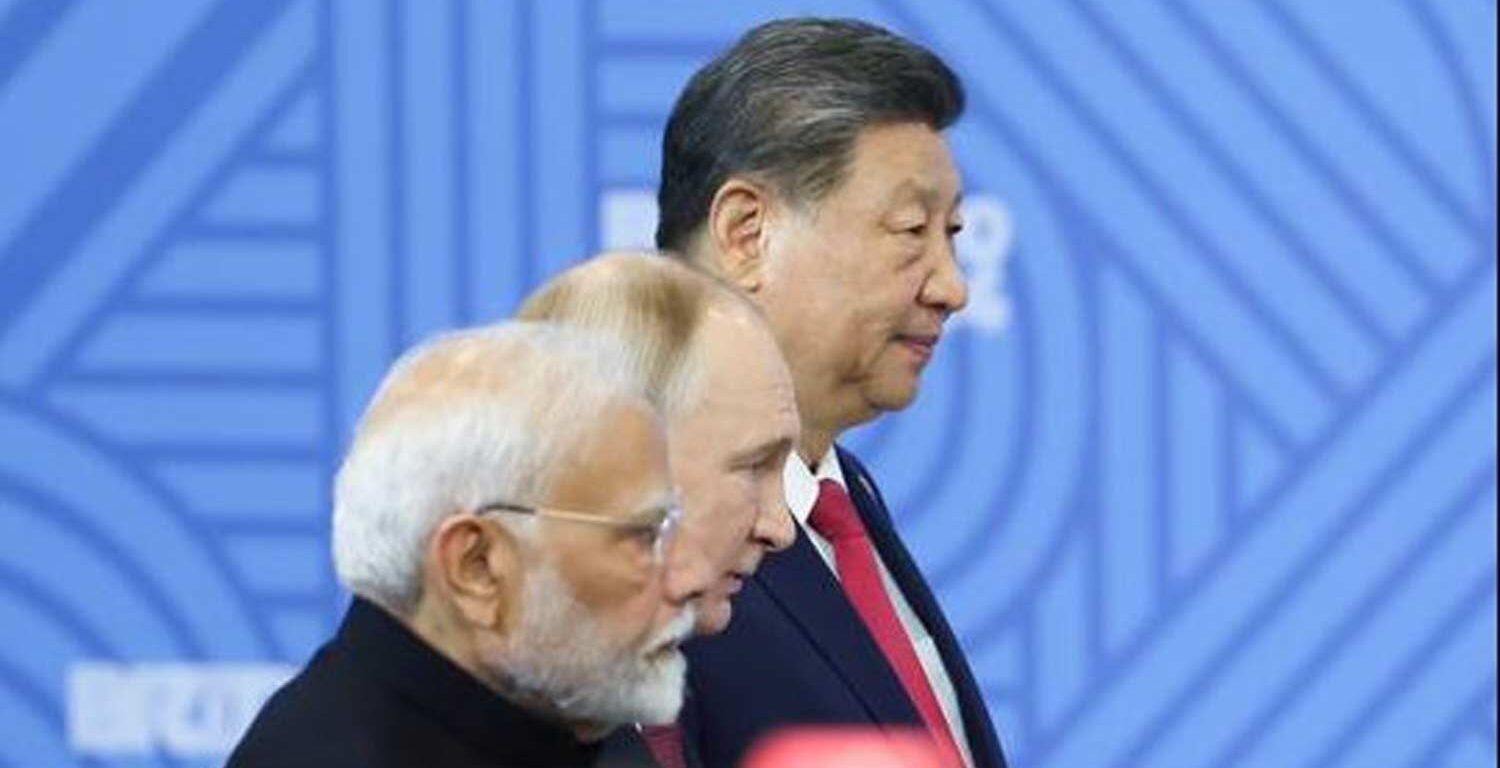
(468, 417)
(784, 106)
(653, 306)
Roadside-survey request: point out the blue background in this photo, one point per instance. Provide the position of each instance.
(1207, 477)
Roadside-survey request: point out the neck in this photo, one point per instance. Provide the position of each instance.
(703, 257)
(814, 445)
(821, 426)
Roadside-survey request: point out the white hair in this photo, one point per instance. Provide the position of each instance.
(560, 653)
(467, 418)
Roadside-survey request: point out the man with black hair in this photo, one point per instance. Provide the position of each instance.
(807, 166)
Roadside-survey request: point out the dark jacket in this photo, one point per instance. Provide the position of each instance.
(797, 653)
(377, 695)
(625, 748)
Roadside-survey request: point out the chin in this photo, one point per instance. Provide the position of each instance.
(893, 396)
(712, 621)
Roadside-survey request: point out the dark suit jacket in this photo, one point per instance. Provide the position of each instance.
(377, 695)
(797, 653)
(626, 748)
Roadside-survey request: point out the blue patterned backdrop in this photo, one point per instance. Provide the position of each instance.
(1207, 478)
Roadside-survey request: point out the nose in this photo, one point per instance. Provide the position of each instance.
(774, 527)
(946, 289)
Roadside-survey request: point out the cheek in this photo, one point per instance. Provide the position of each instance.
(632, 609)
(693, 484)
(733, 515)
(772, 492)
(720, 527)
(807, 274)
(604, 577)
(871, 326)
(885, 292)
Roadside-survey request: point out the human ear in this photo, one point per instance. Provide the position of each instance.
(479, 566)
(737, 225)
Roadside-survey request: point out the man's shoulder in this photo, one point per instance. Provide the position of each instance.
(327, 710)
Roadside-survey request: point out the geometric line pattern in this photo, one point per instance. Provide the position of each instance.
(1220, 490)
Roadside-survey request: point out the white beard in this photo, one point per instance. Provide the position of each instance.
(560, 654)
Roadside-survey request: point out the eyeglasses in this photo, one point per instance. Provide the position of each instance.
(654, 526)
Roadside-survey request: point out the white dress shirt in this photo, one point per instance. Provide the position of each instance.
(801, 494)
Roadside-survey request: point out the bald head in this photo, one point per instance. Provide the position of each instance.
(656, 306)
(712, 363)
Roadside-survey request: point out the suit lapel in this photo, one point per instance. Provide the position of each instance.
(877, 519)
(800, 582)
(893, 553)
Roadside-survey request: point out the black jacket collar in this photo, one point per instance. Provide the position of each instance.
(434, 685)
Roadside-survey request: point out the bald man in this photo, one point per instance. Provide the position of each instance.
(704, 347)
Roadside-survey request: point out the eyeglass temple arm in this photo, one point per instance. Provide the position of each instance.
(563, 514)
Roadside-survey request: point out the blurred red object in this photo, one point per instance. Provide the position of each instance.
(845, 747)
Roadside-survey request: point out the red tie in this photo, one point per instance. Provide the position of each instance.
(834, 518)
(665, 743)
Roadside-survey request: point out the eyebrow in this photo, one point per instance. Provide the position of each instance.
(761, 451)
(926, 194)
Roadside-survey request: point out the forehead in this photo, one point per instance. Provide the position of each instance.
(898, 163)
(744, 374)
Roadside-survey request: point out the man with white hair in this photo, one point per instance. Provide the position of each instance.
(503, 520)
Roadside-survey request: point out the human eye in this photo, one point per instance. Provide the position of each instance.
(772, 462)
(639, 539)
(752, 469)
(911, 229)
(644, 536)
(907, 220)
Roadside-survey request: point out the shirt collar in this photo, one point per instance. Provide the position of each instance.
(802, 481)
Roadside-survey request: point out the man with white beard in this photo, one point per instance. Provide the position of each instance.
(503, 519)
